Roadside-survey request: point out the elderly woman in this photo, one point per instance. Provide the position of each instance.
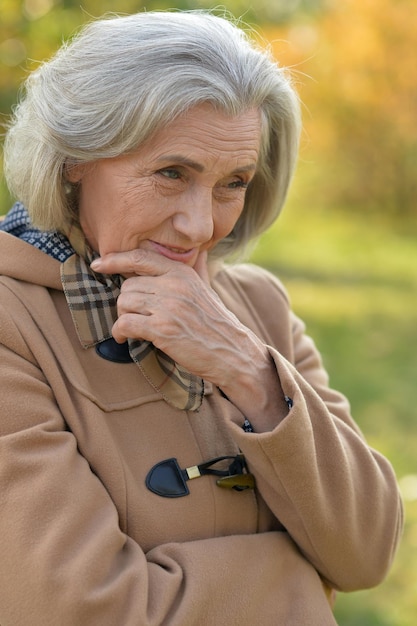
(171, 452)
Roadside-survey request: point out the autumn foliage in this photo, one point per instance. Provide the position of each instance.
(357, 70)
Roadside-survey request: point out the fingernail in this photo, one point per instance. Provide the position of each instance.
(96, 264)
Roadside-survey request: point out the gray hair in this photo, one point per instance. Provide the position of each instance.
(120, 80)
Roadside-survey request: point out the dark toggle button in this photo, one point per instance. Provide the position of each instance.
(167, 479)
(113, 351)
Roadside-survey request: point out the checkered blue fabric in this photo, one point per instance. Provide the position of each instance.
(17, 222)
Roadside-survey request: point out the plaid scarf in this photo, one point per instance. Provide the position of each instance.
(92, 299)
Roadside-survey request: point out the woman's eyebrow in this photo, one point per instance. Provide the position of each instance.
(178, 159)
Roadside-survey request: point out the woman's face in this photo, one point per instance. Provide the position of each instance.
(179, 194)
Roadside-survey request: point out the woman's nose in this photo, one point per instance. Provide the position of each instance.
(194, 217)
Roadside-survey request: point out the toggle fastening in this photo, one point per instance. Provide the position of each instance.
(167, 479)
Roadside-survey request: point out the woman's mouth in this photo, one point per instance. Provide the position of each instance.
(182, 255)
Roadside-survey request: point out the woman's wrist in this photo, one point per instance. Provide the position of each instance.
(254, 388)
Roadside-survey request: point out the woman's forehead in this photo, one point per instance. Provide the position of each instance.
(204, 131)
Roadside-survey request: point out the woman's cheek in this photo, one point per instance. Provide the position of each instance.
(226, 220)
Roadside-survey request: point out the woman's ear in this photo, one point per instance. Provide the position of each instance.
(73, 172)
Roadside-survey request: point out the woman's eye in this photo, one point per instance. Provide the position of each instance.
(237, 184)
(170, 172)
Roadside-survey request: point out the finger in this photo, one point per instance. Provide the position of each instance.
(133, 262)
(201, 267)
(133, 301)
(139, 284)
(128, 326)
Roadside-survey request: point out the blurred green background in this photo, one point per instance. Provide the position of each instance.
(346, 244)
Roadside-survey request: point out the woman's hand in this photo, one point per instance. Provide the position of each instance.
(173, 306)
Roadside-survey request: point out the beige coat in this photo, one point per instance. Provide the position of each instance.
(83, 542)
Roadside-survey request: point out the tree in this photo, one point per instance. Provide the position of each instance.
(362, 102)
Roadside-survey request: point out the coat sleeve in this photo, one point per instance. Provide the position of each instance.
(64, 559)
(337, 497)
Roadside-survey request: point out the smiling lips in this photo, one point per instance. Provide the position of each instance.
(173, 253)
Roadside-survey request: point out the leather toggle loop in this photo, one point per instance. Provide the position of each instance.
(168, 480)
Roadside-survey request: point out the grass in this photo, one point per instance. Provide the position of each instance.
(354, 282)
